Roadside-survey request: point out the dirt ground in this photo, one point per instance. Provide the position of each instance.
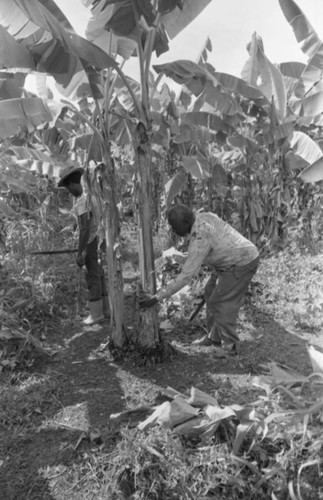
(92, 386)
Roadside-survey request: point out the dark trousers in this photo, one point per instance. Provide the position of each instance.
(223, 296)
(95, 278)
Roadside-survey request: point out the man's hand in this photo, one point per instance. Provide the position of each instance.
(146, 300)
(80, 260)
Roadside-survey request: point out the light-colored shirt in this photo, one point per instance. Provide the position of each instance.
(215, 243)
(87, 204)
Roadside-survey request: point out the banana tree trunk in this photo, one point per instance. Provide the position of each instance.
(115, 278)
(148, 331)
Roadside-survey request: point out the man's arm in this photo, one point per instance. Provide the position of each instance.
(198, 250)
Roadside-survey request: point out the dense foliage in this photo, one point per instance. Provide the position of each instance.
(249, 149)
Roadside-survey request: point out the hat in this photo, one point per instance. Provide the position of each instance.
(71, 169)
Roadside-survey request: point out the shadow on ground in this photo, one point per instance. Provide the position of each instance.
(93, 386)
(76, 420)
(262, 340)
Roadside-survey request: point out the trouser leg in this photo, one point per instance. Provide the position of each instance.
(102, 260)
(93, 271)
(209, 301)
(223, 297)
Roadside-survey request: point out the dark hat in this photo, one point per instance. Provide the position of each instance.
(71, 169)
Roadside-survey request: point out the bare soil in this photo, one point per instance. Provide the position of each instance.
(90, 386)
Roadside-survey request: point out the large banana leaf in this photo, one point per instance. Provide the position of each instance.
(12, 53)
(174, 186)
(199, 136)
(22, 114)
(182, 15)
(198, 166)
(272, 82)
(314, 172)
(304, 147)
(201, 83)
(97, 32)
(207, 120)
(71, 42)
(233, 158)
(240, 87)
(123, 95)
(311, 105)
(125, 19)
(275, 134)
(250, 71)
(294, 162)
(14, 177)
(26, 159)
(243, 143)
(310, 121)
(217, 99)
(115, 26)
(310, 44)
(11, 85)
(291, 71)
(185, 72)
(48, 42)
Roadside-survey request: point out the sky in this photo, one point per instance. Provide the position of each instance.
(230, 25)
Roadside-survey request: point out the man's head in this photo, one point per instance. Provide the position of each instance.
(71, 180)
(181, 219)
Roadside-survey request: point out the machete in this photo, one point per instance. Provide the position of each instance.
(52, 252)
(197, 310)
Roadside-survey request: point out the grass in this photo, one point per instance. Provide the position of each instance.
(283, 459)
(281, 453)
(292, 292)
(23, 398)
(160, 465)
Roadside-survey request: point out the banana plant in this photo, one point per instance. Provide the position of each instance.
(54, 48)
(137, 29)
(265, 114)
(308, 83)
(40, 38)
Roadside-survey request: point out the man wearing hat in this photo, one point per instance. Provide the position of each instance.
(88, 215)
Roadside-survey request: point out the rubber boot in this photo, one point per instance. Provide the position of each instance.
(106, 306)
(96, 313)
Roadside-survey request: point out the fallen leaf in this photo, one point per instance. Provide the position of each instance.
(316, 358)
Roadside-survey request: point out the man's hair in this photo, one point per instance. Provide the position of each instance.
(181, 217)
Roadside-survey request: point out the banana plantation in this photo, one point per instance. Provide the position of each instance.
(249, 149)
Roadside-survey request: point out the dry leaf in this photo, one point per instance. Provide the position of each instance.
(316, 358)
(201, 399)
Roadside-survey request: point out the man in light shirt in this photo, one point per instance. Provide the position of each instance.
(88, 215)
(233, 261)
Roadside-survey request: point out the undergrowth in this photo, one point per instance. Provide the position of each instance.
(158, 465)
(282, 460)
(291, 289)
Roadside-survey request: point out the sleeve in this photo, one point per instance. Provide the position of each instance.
(198, 250)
